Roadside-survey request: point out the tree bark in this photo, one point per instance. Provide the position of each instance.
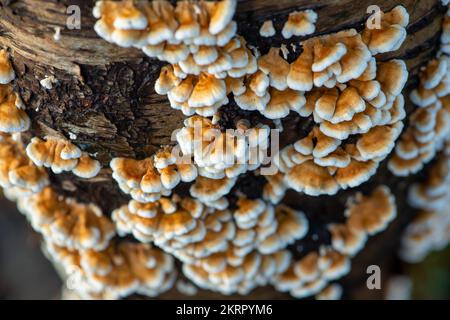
(105, 101)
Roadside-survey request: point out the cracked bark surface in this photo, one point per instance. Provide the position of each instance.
(104, 100)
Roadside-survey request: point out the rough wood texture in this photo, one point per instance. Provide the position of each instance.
(106, 102)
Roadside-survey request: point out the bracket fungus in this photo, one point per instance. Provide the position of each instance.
(17, 171)
(299, 23)
(430, 229)
(67, 223)
(6, 70)
(366, 216)
(198, 36)
(87, 167)
(118, 271)
(319, 164)
(275, 188)
(266, 90)
(431, 194)
(255, 254)
(329, 59)
(221, 250)
(203, 94)
(390, 34)
(12, 115)
(61, 155)
(48, 82)
(332, 292)
(219, 155)
(148, 179)
(267, 29)
(429, 124)
(211, 191)
(311, 274)
(164, 221)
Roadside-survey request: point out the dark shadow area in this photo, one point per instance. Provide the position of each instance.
(24, 271)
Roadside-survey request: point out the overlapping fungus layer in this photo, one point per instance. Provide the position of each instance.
(430, 229)
(227, 241)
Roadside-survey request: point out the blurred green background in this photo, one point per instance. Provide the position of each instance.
(431, 277)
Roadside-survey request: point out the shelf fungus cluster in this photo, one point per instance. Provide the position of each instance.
(148, 179)
(18, 174)
(318, 164)
(299, 23)
(430, 228)
(336, 80)
(189, 208)
(65, 222)
(332, 292)
(220, 156)
(60, 155)
(347, 93)
(390, 33)
(427, 136)
(312, 274)
(13, 118)
(366, 216)
(119, 270)
(222, 250)
(323, 162)
(6, 70)
(17, 171)
(196, 37)
(78, 236)
(429, 125)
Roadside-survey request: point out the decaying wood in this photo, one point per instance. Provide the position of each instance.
(104, 99)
